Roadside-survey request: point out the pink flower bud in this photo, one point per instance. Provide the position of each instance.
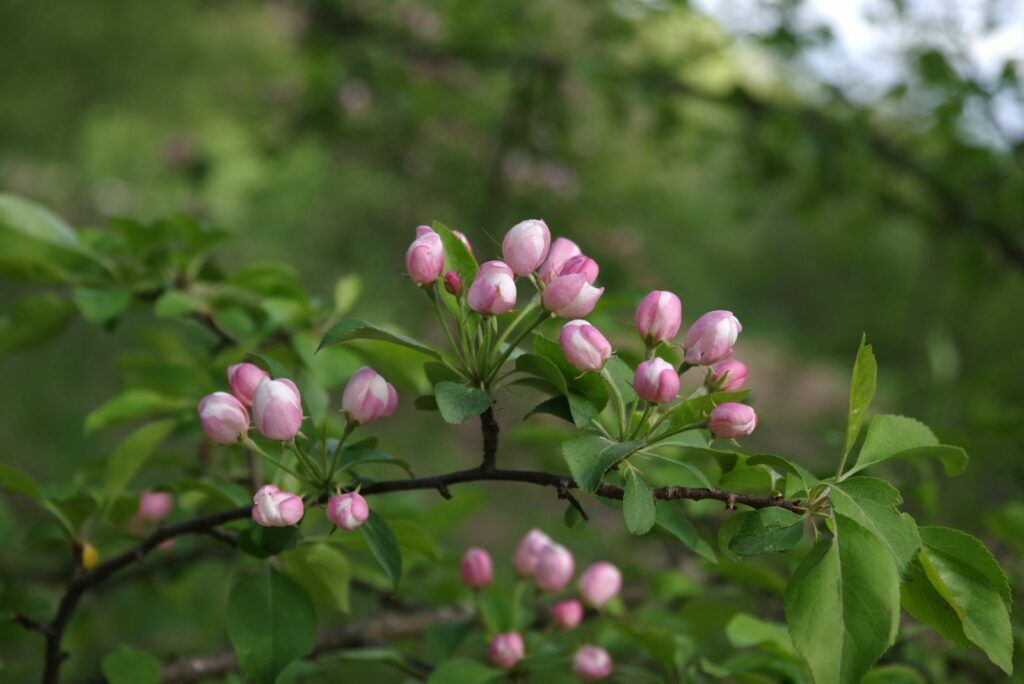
(710, 338)
(368, 396)
(506, 650)
(425, 257)
(244, 378)
(453, 283)
(659, 316)
(348, 511)
(463, 239)
(583, 265)
(731, 420)
(571, 296)
(277, 408)
(656, 381)
(476, 567)
(528, 552)
(223, 418)
(274, 508)
(729, 376)
(155, 505)
(562, 249)
(584, 346)
(554, 567)
(600, 584)
(493, 290)
(591, 663)
(526, 246)
(567, 614)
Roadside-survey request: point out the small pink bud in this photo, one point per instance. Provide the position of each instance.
(244, 378)
(453, 283)
(223, 418)
(348, 511)
(600, 584)
(424, 259)
(155, 505)
(277, 409)
(729, 376)
(554, 567)
(591, 663)
(731, 420)
(528, 552)
(582, 265)
(463, 239)
(656, 381)
(274, 508)
(659, 316)
(506, 650)
(710, 338)
(571, 296)
(368, 397)
(526, 246)
(476, 567)
(567, 614)
(562, 249)
(493, 290)
(584, 346)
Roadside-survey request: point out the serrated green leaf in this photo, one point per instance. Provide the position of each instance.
(898, 437)
(590, 456)
(541, 367)
(456, 256)
(671, 518)
(131, 455)
(355, 329)
(101, 305)
(842, 604)
(744, 631)
(926, 605)
(264, 542)
(36, 245)
(893, 674)
(872, 503)
(638, 506)
(798, 478)
(383, 546)
(175, 304)
(862, 390)
(458, 403)
(133, 404)
(270, 623)
(324, 571)
(131, 666)
(767, 530)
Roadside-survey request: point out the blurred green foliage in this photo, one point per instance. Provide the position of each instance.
(683, 157)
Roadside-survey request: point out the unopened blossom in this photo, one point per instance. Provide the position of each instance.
(244, 378)
(223, 418)
(554, 568)
(591, 663)
(277, 409)
(711, 337)
(582, 265)
(584, 345)
(493, 290)
(368, 397)
(731, 419)
(600, 584)
(155, 505)
(567, 614)
(453, 283)
(275, 508)
(729, 376)
(528, 552)
(348, 511)
(571, 296)
(476, 568)
(562, 249)
(659, 316)
(506, 650)
(424, 259)
(525, 246)
(656, 381)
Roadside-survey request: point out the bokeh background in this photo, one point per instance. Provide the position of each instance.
(822, 171)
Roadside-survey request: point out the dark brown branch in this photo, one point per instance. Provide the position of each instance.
(489, 428)
(358, 634)
(54, 656)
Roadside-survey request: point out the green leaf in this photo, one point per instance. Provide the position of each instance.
(351, 458)
(458, 403)
(133, 404)
(744, 631)
(354, 329)
(862, 390)
(798, 479)
(925, 604)
(872, 503)
(842, 604)
(264, 542)
(589, 456)
(131, 455)
(638, 506)
(622, 376)
(383, 546)
(893, 674)
(463, 671)
(175, 304)
(34, 320)
(891, 437)
(555, 406)
(101, 305)
(695, 410)
(270, 623)
(13, 480)
(456, 256)
(324, 571)
(131, 666)
(767, 530)
(346, 292)
(671, 518)
(590, 385)
(541, 367)
(964, 575)
(36, 245)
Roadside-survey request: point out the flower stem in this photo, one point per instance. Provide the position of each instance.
(544, 315)
(620, 405)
